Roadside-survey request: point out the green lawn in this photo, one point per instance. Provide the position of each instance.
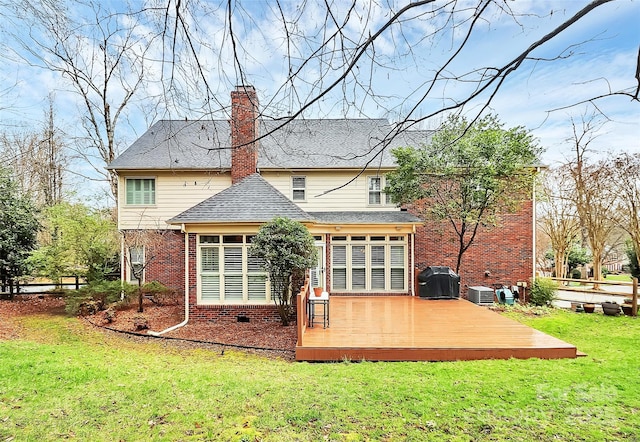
(65, 381)
(623, 277)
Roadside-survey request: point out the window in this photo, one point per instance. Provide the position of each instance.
(228, 273)
(141, 191)
(369, 263)
(339, 267)
(299, 187)
(377, 196)
(136, 267)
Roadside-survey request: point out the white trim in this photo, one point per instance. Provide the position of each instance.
(293, 189)
(155, 190)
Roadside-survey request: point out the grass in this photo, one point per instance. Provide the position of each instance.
(63, 380)
(621, 277)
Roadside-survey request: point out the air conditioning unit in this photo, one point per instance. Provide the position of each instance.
(480, 295)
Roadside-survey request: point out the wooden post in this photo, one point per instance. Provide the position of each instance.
(77, 283)
(634, 300)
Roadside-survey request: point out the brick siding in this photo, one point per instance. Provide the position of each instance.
(166, 263)
(506, 251)
(244, 130)
(230, 313)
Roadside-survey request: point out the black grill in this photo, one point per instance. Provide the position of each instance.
(439, 282)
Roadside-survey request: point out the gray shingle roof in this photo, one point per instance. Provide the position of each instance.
(399, 217)
(250, 200)
(179, 145)
(301, 144)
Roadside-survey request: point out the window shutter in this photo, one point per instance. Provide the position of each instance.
(233, 259)
(233, 288)
(358, 271)
(377, 256)
(210, 259)
(397, 267)
(254, 265)
(339, 280)
(340, 256)
(397, 256)
(358, 279)
(257, 287)
(210, 290)
(358, 256)
(377, 279)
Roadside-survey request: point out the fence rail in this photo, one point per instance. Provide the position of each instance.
(592, 286)
(73, 282)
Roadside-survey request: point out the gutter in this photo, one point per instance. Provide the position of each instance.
(186, 291)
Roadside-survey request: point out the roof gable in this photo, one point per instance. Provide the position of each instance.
(249, 200)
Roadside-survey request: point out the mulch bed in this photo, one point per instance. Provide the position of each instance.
(269, 339)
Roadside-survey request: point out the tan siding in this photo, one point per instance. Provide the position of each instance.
(175, 193)
(351, 197)
(179, 191)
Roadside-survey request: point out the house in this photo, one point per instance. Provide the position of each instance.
(206, 187)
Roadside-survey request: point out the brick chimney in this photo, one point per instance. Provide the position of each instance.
(244, 130)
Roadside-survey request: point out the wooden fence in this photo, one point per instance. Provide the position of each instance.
(593, 286)
(70, 282)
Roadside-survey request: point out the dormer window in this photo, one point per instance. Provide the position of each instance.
(299, 188)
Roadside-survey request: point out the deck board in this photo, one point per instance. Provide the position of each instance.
(413, 329)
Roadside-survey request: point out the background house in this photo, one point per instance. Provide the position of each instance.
(205, 187)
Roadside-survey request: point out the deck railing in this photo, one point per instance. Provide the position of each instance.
(301, 310)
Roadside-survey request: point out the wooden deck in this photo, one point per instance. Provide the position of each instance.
(405, 328)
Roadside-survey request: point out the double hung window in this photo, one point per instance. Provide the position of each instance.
(228, 273)
(299, 188)
(376, 195)
(135, 269)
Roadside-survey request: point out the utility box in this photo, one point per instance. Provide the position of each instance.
(480, 295)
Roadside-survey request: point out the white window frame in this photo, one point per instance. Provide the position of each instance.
(134, 259)
(295, 187)
(385, 200)
(139, 196)
(353, 268)
(224, 276)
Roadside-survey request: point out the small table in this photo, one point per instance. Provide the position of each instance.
(322, 300)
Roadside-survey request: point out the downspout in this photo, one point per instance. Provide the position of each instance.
(412, 272)
(186, 290)
(535, 230)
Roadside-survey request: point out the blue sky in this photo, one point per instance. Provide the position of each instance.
(604, 47)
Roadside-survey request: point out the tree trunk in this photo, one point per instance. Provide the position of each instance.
(140, 297)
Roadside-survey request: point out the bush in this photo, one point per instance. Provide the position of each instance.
(576, 274)
(160, 293)
(543, 292)
(97, 296)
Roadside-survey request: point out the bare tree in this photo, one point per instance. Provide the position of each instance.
(39, 160)
(558, 218)
(337, 52)
(319, 57)
(592, 193)
(626, 178)
(101, 56)
(141, 248)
